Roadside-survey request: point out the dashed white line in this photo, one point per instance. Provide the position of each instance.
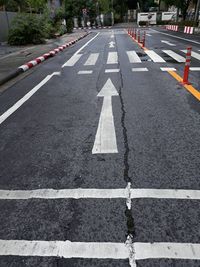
(154, 56)
(195, 68)
(112, 70)
(112, 58)
(133, 57)
(19, 103)
(85, 72)
(168, 69)
(139, 69)
(174, 55)
(91, 61)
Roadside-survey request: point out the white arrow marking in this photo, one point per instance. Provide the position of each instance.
(112, 44)
(105, 140)
(166, 42)
(112, 36)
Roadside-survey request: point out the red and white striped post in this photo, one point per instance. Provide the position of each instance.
(138, 36)
(187, 66)
(132, 33)
(144, 39)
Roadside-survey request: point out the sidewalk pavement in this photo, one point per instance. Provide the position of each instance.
(11, 57)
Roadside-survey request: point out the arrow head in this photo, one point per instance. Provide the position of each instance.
(108, 90)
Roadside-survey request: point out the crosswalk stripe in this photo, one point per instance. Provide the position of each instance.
(174, 55)
(112, 58)
(99, 250)
(154, 56)
(91, 61)
(133, 57)
(72, 61)
(194, 54)
(81, 193)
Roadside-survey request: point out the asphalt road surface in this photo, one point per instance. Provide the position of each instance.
(100, 156)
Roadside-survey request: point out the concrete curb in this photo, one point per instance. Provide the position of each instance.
(93, 27)
(38, 60)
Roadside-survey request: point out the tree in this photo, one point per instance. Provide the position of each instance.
(182, 4)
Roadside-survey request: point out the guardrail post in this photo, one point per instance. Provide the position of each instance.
(138, 36)
(144, 39)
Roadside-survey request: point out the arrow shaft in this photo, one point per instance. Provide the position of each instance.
(105, 140)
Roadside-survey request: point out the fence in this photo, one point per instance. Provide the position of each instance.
(5, 21)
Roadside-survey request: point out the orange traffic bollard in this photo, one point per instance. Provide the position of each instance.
(187, 66)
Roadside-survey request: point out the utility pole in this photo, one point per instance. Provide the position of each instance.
(196, 19)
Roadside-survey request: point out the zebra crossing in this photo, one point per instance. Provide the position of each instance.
(133, 57)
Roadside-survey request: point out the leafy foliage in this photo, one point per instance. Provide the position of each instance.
(28, 29)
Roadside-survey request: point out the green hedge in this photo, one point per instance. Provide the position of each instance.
(29, 29)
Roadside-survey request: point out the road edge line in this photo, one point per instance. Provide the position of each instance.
(189, 87)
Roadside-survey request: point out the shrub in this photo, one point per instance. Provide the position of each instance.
(28, 29)
(70, 25)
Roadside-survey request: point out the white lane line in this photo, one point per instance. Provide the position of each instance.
(194, 54)
(19, 103)
(174, 55)
(78, 51)
(95, 250)
(177, 37)
(64, 249)
(139, 69)
(167, 251)
(133, 57)
(85, 72)
(100, 193)
(154, 56)
(195, 68)
(167, 42)
(147, 34)
(168, 69)
(112, 58)
(105, 139)
(112, 70)
(91, 61)
(72, 61)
